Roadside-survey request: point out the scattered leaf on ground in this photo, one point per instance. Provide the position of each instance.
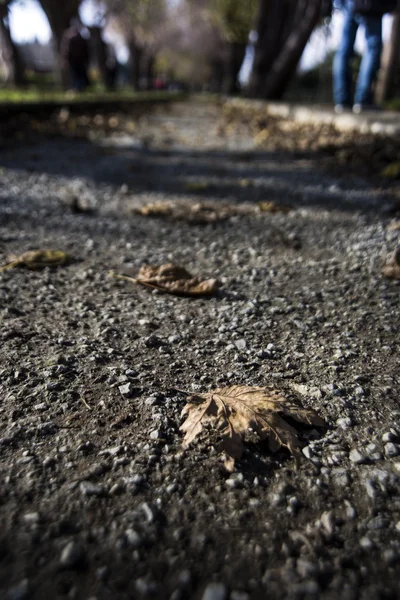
(198, 213)
(172, 279)
(391, 268)
(232, 411)
(392, 171)
(272, 207)
(156, 209)
(38, 259)
(394, 226)
(245, 183)
(261, 137)
(197, 186)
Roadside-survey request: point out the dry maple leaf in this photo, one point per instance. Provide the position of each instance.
(38, 259)
(172, 279)
(232, 411)
(391, 268)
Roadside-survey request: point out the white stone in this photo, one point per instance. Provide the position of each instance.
(392, 449)
(215, 591)
(356, 457)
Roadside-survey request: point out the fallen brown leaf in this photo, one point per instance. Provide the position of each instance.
(155, 209)
(38, 259)
(391, 268)
(394, 226)
(262, 137)
(245, 183)
(198, 213)
(391, 171)
(232, 411)
(272, 207)
(172, 279)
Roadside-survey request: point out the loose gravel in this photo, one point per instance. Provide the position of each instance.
(98, 498)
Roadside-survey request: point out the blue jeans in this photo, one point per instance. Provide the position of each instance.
(370, 63)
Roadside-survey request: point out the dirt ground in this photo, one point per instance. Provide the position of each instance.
(98, 499)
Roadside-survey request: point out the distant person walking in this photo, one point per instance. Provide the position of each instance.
(367, 13)
(75, 52)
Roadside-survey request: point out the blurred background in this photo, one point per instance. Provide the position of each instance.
(277, 49)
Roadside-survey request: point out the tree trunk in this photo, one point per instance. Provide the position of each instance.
(284, 28)
(236, 56)
(59, 14)
(217, 76)
(272, 21)
(135, 58)
(9, 51)
(389, 73)
(149, 71)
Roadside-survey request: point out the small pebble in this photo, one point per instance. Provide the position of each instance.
(344, 423)
(150, 512)
(215, 591)
(371, 488)
(328, 521)
(133, 538)
(350, 510)
(117, 488)
(20, 591)
(153, 341)
(366, 543)
(357, 458)
(340, 477)
(111, 451)
(90, 489)
(391, 556)
(235, 595)
(136, 478)
(294, 503)
(73, 556)
(254, 502)
(126, 390)
(390, 437)
(305, 568)
(31, 518)
(392, 449)
(185, 578)
(240, 344)
(170, 489)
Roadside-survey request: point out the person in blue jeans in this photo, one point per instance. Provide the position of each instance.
(370, 63)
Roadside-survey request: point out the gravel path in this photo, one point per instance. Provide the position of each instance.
(97, 498)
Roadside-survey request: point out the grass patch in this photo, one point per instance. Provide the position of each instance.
(37, 95)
